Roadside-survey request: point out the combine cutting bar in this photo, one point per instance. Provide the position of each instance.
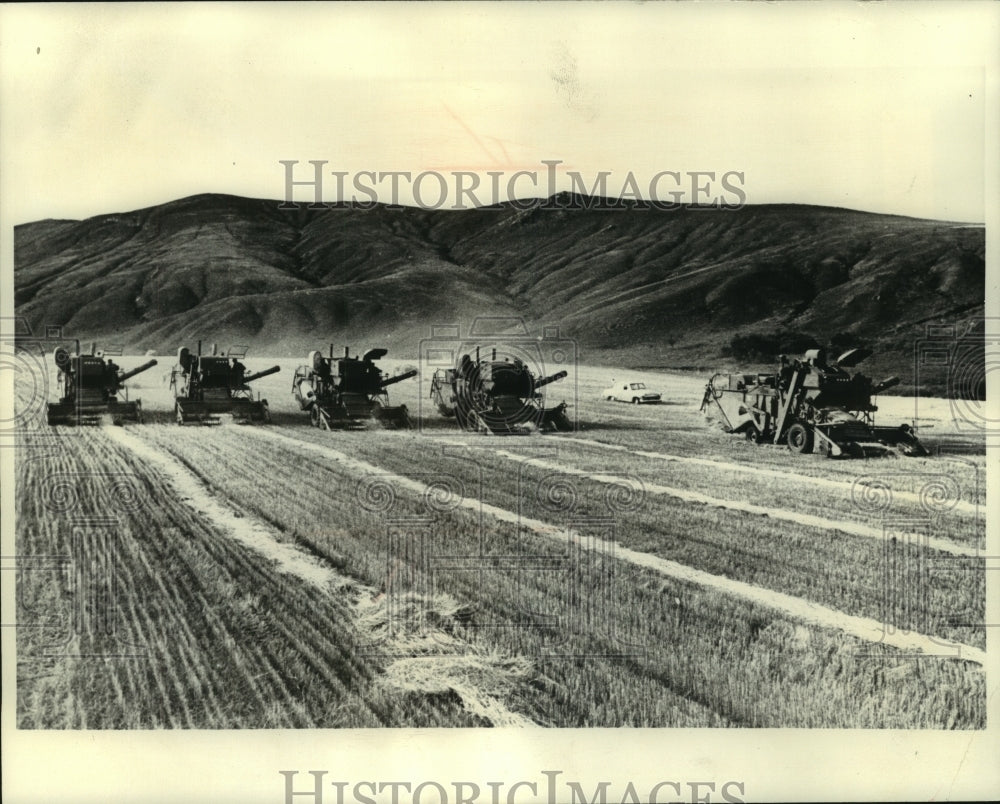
(347, 417)
(209, 411)
(69, 413)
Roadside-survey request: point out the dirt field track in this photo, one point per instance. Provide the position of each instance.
(645, 570)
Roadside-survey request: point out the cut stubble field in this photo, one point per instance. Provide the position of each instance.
(280, 576)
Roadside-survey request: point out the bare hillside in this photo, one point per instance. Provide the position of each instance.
(651, 288)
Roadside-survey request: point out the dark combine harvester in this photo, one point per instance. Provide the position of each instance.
(347, 391)
(496, 396)
(208, 385)
(90, 387)
(811, 405)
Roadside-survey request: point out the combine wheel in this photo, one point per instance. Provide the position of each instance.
(265, 413)
(635, 400)
(799, 438)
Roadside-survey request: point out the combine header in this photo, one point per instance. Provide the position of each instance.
(90, 386)
(347, 391)
(811, 405)
(496, 396)
(208, 385)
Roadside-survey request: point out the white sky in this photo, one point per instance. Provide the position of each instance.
(108, 108)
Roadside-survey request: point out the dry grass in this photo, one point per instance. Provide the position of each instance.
(696, 658)
(537, 636)
(842, 571)
(225, 639)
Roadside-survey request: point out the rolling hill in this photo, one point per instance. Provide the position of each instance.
(687, 288)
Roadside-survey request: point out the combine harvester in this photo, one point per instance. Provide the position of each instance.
(348, 392)
(497, 396)
(208, 385)
(811, 405)
(90, 385)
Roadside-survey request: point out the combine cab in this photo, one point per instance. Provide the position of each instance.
(348, 392)
(496, 396)
(810, 405)
(208, 385)
(90, 386)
